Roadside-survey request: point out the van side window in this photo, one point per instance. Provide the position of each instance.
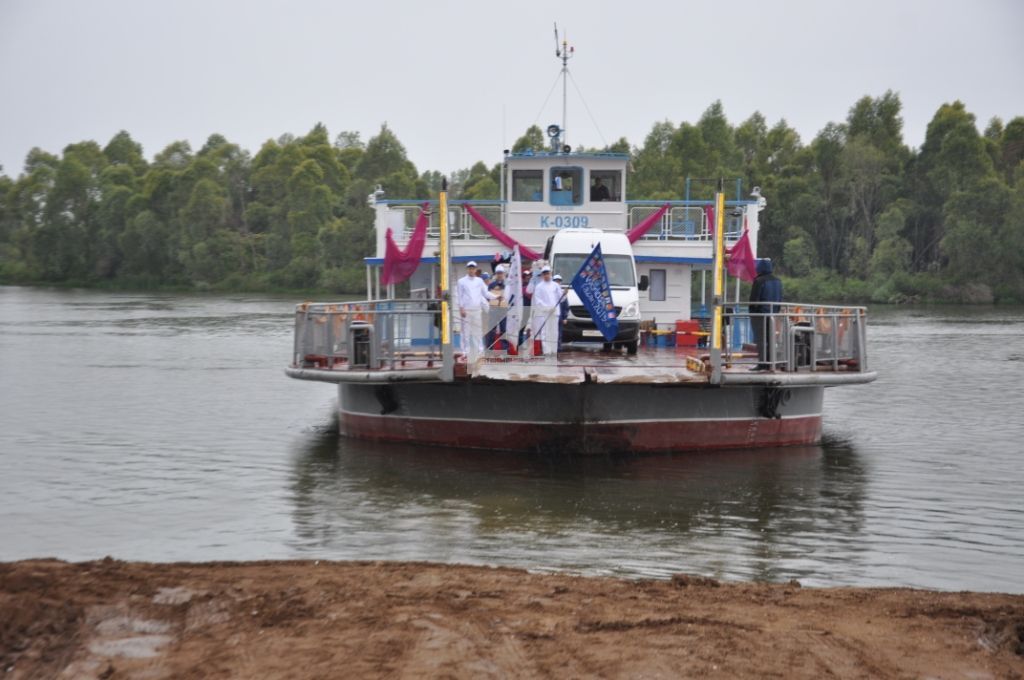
(527, 185)
(657, 289)
(566, 186)
(605, 185)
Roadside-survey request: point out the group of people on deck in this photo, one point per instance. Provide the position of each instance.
(477, 294)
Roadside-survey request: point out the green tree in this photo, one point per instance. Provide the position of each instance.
(799, 254)
(751, 138)
(384, 156)
(657, 167)
(952, 159)
(892, 254)
(693, 158)
(123, 150)
(1011, 151)
(531, 140)
(722, 157)
(973, 222)
(205, 211)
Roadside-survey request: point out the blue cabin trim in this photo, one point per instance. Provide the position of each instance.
(421, 201)
(480, 259)
(659, 259)
(692, 203)
(530, 153)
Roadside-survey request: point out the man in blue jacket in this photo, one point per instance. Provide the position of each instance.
(767, 288)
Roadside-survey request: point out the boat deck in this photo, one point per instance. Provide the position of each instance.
(651, 365)
(397, 341)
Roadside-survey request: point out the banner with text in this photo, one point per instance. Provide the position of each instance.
(514, 295)
(591, 284)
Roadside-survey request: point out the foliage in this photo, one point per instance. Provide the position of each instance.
(294, 215)
(854, 214)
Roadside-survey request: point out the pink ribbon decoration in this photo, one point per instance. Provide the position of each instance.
(642, 228)
(741, 262)
(400, 264)
(709, 210)
(501, 236)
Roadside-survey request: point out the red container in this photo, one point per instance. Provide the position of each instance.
(686, 340)
(687, 333)
(688, 326)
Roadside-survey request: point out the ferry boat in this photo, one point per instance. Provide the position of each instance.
(401, 376)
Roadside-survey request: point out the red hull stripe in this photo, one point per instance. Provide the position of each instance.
(646, 436)
(531, 423)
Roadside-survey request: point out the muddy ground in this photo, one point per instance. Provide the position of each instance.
(111, 619)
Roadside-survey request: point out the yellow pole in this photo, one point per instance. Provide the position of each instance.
(719, 289)
(446, 326)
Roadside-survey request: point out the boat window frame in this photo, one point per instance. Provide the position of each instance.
(536, 195)
(614, 186)
(575, 196)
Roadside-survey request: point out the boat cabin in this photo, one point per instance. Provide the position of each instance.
(545, 191)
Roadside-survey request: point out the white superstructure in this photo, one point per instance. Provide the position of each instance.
(674, 254)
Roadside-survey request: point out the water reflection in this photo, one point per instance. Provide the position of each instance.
(765, 514)
(161, 427)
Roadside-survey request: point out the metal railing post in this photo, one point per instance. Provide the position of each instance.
(447, 350)
(862, 344)
(719, 291)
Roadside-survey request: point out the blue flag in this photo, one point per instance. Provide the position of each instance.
(591, 284)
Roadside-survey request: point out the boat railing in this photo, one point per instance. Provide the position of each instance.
(682, 223)
(461, 224)
(801, 337)
(391, 335)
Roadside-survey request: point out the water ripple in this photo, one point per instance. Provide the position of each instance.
(160, 427)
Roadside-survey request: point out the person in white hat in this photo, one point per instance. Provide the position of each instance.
(472, 297)
(544, 320)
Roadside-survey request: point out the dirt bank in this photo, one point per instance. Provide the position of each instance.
(111, 619)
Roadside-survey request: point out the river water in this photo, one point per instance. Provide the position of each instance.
(161, 427)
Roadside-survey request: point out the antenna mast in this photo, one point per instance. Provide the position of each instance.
(565, 53)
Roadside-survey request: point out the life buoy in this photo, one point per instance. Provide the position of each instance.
(843, 326)
(822, 322)
(337, 319)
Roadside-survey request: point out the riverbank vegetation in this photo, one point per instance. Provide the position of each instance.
(854, 214)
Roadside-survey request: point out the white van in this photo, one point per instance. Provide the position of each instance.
(566, 250)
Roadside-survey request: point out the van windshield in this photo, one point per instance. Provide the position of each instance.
(620, 268)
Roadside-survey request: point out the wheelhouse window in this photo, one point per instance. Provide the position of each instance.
(527, 185)
(605, 185)
(566, 186)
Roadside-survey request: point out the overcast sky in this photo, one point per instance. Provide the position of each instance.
(458, 81)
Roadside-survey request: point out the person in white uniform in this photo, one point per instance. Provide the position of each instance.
(544, 322)
(472, 298)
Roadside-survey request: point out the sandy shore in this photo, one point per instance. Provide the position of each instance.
(111, 619)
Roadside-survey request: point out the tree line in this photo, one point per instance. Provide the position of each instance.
(855, 214)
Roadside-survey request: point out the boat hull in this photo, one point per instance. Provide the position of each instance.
(581, 418)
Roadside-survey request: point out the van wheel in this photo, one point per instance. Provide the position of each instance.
(631, 348)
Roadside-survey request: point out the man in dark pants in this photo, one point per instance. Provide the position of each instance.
(767, 288)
